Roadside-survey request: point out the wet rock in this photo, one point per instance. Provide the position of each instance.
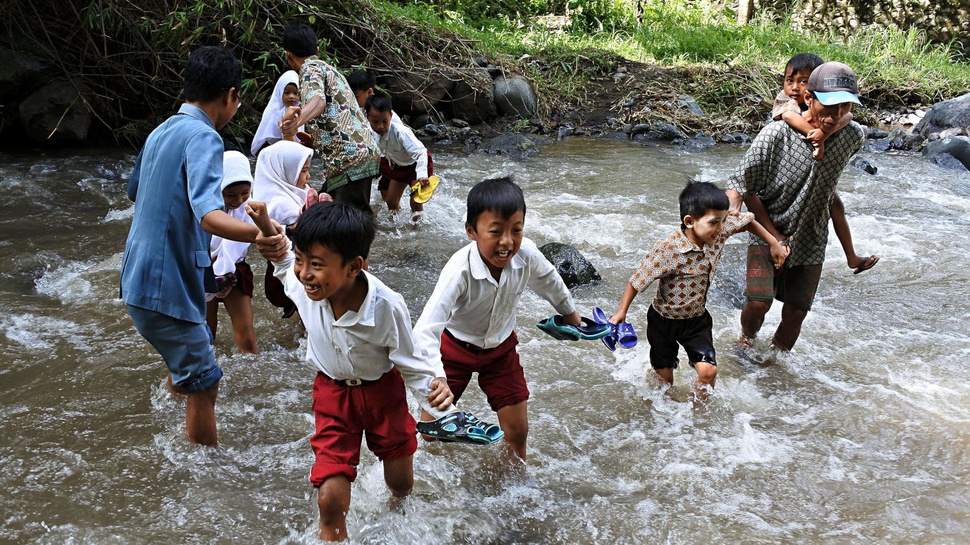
(564, 131)
(56, 113)
(943, 115)
(572, 266)
(699, 141)
(18, 71)
(517, 146)
(472, 99)
(664, 131)
(873, 133)
(949, 162)
(472, 143)
(957, 146)
(417, 93)
(863, 165)
(514, 96)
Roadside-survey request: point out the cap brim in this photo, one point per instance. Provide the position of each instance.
(836, 97)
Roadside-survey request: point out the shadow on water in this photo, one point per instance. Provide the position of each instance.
(859, 434)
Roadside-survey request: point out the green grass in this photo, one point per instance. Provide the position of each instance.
(894, 67)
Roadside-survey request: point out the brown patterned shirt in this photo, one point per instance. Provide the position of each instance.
(795, 188)
(341, 134)
(684, 270)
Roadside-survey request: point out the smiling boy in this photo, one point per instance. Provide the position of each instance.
(468, 324)
(684, 264)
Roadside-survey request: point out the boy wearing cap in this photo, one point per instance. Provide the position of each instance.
(792, 195)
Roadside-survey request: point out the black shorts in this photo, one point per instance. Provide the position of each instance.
(694, 334)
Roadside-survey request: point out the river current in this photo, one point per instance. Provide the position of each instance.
(860, 434)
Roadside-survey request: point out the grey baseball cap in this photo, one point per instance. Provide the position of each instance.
(834, 83)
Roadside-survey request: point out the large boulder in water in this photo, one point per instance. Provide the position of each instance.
(957, 146)
(573, 267)
(953, 113)
(515, 96)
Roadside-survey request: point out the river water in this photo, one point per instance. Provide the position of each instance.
(858, 435)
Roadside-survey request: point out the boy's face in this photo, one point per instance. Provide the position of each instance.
(705, 229)
(380, 122)
(795, 85)
(498, 239)
(362, 94)
(291, 95)
(236, 194)
(323, 272)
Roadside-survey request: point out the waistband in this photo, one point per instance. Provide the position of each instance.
(466, 345)
(347, 381)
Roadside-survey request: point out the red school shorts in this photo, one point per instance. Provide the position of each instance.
(405, 174)
(344, 415)
(500, 374)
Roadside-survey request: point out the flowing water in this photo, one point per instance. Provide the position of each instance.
(858, 435)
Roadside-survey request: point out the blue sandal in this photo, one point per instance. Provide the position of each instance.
(461, 427)
(589, 331)
(621, 333)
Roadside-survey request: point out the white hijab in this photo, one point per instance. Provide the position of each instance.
(269, 126)
(226, 253)
(277, 171)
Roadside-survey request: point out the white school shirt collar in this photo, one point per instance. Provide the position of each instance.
(365, 314)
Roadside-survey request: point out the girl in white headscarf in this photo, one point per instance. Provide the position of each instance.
(234, 277)
(282, 175)
(285, 94)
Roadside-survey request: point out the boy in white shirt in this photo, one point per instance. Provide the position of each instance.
(405, 162)
(359, 342)
(468, 323)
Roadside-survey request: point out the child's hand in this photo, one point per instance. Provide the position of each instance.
(779, 252)
(815, 136)
(260, 216)
(288, 124)
(440, 397)
(618, 317)
(573, 319)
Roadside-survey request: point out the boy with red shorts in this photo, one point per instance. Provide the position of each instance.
(469, 321)
(359, 342)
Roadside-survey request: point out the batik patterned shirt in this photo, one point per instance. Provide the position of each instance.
(684, 270)
(795, 188)
(341, 134)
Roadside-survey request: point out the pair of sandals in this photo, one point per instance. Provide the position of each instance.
(621, 333)
(461, 427)
(589, 331)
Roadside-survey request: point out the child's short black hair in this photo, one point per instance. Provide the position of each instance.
(211, 71)
(803, 62)
(361, 80)
(380, 102)
(299, 39)
(336, 226)
(499, 195)
(699, 197)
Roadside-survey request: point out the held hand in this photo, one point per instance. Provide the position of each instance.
(779, 253)
(573, 319)
(288, 124)
(440, 397)
(423, 181)
(815, 136)
(618, 317)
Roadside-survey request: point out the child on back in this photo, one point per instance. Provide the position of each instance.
(234, 277)
(405, 161)
(286, 93)
(468, 323)
(790, 107)
(360, 345)
(790, 103)
(684, 264)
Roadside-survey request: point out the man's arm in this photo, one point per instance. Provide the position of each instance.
(756, 207)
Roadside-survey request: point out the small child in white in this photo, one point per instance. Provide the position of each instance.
(286, 93)
(234, 277)
(405, 162)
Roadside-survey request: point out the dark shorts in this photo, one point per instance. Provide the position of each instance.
(242, 280)
(694, 334)
(793, 286)
(186, 348)
(275, 292)
(344, 415)
(405, 174)
(500, 374)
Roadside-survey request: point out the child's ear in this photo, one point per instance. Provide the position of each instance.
(356, 265)
(688, 221)
(470, 231)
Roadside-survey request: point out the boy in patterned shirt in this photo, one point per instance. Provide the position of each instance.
(684, 264)
(338, 127)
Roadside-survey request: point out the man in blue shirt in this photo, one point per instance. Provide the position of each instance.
(178, 206)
